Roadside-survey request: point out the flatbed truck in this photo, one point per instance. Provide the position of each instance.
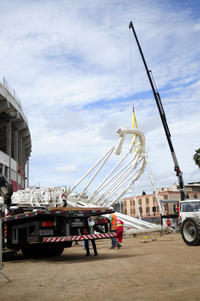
(47, 232)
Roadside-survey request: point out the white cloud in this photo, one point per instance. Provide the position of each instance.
(65, 169)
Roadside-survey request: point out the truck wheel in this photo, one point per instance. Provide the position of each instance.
(42, 251)
(190, 230)
(29, 251)
(54, 250)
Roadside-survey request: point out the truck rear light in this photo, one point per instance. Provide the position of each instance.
(47, 224)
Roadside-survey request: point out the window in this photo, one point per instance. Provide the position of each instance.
(140, 201)
(165, 197)
(196, 188)
(147, 200)
(190, 207)
(166, 208)
(154, 209)
(147, 209)
(132, 211)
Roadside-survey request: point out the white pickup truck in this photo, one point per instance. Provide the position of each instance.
(189, 214)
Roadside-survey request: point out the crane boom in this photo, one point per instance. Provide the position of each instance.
(163, 117)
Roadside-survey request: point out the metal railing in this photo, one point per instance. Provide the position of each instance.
(14, 95)
(11, 91)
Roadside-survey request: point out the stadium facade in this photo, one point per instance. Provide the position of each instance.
(15, 138)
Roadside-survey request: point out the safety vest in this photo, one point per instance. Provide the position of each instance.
(119, 223)
(113, 222)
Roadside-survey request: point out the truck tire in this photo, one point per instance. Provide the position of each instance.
(190, 231)
(34, 251)
(55, 250)
(29, 251)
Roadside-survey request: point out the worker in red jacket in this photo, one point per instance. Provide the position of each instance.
(119, 232)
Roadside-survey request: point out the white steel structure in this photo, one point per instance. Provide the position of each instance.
(122, 175)
(125, 170)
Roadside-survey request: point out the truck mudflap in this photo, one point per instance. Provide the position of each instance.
(78, 237)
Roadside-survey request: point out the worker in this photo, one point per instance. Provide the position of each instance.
(91, 223)
(113, 228)
(93, 245)
(119, 232)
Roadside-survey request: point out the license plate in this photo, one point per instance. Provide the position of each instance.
(46, 232)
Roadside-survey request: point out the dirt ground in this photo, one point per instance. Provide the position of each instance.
(146, 268)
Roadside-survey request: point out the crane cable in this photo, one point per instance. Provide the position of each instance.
(134, 121)
(131, 60)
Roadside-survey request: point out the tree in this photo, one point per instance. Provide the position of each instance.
(196, 157)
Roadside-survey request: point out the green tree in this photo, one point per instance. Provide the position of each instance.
(196, 157)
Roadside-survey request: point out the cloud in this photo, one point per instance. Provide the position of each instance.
(65, 169)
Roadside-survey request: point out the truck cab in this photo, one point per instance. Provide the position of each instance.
(189, 209)
(190, 221)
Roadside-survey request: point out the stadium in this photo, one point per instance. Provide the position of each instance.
(15, 138)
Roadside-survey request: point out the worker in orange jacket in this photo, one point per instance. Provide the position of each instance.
(113, 228)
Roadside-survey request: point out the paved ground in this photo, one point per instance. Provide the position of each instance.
(145, 268)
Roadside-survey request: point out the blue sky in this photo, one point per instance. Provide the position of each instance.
(69, 61)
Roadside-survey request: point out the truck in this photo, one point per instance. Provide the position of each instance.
(47, 231)
(189, 218)
(183, 217)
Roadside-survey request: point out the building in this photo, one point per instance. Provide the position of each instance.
(15, 138)
(148, 205)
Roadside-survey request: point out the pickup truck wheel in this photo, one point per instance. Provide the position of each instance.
(190, 230)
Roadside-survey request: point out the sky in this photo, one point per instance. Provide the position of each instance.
(77, 70)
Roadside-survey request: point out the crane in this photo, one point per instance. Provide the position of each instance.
(157, 97)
